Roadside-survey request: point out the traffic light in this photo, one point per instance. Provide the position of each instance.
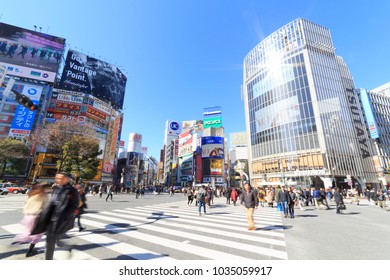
(25, 101)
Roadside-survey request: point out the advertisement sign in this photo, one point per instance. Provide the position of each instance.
(30, 54)
(92, 76)
(212, 147)
(238, 139)
(144, 150)
(111, 143)
(367, 107)
(24, 118)
(185, 143)
(174, 128)
(212, 112)
(278, 113)
(212, 122)
(212, 167)
(3, 73)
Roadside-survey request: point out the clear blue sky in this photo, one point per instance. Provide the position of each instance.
(183, 55)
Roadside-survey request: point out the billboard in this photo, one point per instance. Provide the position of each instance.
(95, 77)
(212, 112)
(30, 54)
(24, 118)
(212, 122)
(212, 147)
(238, 139)
(367, 107)
(185, 143)
(173, 128)
(212, 167)
(111, 143)
(278, 113)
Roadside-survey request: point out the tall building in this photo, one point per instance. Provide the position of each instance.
(304, 124)
(376, 106)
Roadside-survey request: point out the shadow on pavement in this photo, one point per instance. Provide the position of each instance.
(306, 216)
(275, 227)
(146, 256)
(351, 213)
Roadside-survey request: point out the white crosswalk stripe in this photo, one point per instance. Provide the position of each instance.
(10, 206)
(173, 230)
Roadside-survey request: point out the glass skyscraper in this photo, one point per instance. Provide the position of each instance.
(303, 116)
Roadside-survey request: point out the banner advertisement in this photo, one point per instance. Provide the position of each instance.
(238, 139)
(278, 113)
(92, 76)
(111, 143)
(212, 122)
(212, 167)
(372, 125)
(185, 143)
(212, 147)
(212, 111)
(30, 54)
(173, 128)
(24, 118)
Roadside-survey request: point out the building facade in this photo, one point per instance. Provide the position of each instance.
(303, 120)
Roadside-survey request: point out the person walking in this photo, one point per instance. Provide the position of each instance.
(36, 199)
(190, 196)
(82, 206)
(283, 199)
(109, 192)
(382, 199)
(228, 195)
(261, 196)
(234, 196)
(101, 188)
(338, 199)
(292, 198)
(270, 197)
(58, 215)
(355, 196)
(201, 197)
(250, 202)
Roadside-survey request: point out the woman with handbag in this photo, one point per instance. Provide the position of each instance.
(338, 198)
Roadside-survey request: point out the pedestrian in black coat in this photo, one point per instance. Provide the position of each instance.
(58, 215)
(338, 198)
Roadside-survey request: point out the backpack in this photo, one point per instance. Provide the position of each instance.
(201, 196)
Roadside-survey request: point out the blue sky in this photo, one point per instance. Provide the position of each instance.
(183, 55)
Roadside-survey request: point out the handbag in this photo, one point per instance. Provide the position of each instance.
(279, 207)
(342, 207)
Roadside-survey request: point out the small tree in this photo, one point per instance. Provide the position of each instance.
(10, 150)
(80, 157)
(56, 135)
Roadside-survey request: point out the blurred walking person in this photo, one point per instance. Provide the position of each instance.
(283, 199)
(82, 206)
(58, 215)
(36, 199)
(261, 196)
(338, 199)
(109, 192)
(201, 197)
(234, 196)
(270, 198)
(250, 202)
(291, 202)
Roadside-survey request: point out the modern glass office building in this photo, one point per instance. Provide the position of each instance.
(303, 116)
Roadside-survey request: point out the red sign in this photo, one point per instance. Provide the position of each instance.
(107, 167)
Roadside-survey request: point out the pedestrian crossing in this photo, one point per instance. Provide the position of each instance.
(6, 206)
(175, 231)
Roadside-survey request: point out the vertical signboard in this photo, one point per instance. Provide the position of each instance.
(111, 143)
(24, 118)
(367, 106)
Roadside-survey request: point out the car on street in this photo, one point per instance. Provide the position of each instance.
(13, 188)
(3, 191)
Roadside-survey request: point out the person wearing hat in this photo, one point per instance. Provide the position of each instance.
(58, 216)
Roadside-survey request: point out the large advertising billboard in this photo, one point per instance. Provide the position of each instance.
(111, 143)
(212, 167)
(372, 125)
(278, 113)
(95, 77)
(212, 122)
(24, 118)
(212, 147)
(185, 143)
(238, 139)
(30, 54)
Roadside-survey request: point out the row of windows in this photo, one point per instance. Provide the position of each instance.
(294, 144)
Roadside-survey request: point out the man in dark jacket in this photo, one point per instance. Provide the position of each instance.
(58, 215)
(284, 199)
(250, 201)
(338, 198)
